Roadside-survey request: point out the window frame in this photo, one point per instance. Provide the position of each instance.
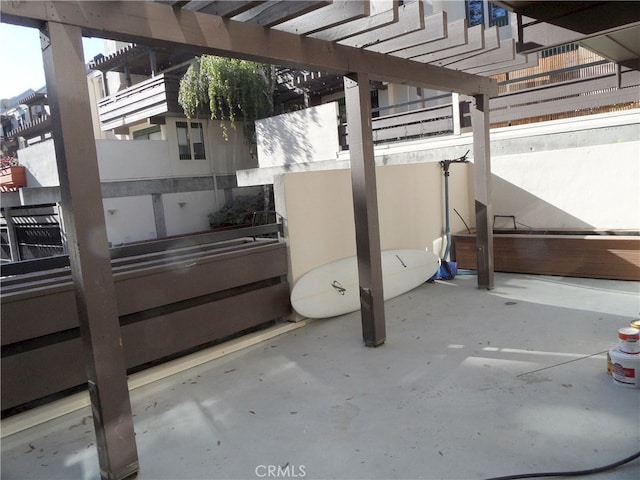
(143, 133)
(483, 12)
(191, 140)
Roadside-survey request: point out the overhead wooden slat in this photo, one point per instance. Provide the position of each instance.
(475, 42)
(506, 52)
(491, 42)
(223, 8)
(435, 28)
(456, 36)
(338, 12)
(361, 25)
(158, 25)
(174, 3)
(269, 14)
(410, 19)
(520, 62)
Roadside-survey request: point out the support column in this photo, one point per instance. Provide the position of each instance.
(455, 110)
(158, 215)
(365, 204)
(482, 181)
(77, 162)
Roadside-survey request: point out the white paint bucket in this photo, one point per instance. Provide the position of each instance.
(626, 368)
(629, 340)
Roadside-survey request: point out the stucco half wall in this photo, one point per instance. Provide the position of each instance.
(317, 208)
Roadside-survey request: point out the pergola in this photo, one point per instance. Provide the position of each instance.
(339, 37)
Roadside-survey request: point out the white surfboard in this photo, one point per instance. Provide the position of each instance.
(333, 289)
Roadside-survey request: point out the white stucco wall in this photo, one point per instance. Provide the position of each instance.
(129, 219)
(583, 187)
(40, 162)
(120, 160)
(591, 183)
(319, 220)
(308, 135)
(187, 212)
(224, 156)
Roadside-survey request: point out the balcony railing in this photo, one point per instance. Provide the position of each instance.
(37, 128)
(153, 97)
(569, 84)
(411, 125)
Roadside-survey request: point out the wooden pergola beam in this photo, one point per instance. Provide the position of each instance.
(435, 28)
(270, 14)
(155, 24)
(358, 26)
(339, 12)
(410, 20)
(491, 42)
(456, 37)
(474, 42)
(482, 183)
(365, 205)
(506, 52)
(77, 161)
(159, 25)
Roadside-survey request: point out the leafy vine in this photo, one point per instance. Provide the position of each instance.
(231, 88)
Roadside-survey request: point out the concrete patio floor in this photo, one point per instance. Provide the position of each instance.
(470, 384)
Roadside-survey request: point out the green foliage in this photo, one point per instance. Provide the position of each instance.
(232, 89)
(238, 212)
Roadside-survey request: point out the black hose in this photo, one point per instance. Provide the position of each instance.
(574, 473)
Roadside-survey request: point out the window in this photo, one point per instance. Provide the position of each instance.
(190, 141)
(497, 16)
(475, 12)
(151, 133)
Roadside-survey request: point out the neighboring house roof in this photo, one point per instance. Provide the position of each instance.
(137, 60)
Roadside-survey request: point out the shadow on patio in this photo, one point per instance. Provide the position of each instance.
(469, 384)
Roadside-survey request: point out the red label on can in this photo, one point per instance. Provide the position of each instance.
(624, 372)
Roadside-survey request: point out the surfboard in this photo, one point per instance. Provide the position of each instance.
(333, 289)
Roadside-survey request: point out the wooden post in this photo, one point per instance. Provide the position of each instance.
(482, 181)
(365, 204)
(88, 249)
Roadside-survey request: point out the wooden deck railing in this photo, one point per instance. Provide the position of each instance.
(155, 96)
(566, 85)
(413, 124)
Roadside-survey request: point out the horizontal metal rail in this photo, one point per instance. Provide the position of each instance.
(142, 248)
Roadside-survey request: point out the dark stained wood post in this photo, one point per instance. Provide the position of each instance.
(482, 181)
(88, 249)
(365, 205)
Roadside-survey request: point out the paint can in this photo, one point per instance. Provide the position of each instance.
(629, 340)
(626, 368)
(635, 324)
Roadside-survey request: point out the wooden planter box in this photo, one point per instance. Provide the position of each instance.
(12, 178)
(170, 303)
(586, 255)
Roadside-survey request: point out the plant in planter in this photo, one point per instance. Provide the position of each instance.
(12, 175)
(237, 213)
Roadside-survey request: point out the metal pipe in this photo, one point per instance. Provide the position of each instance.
(447, 222)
